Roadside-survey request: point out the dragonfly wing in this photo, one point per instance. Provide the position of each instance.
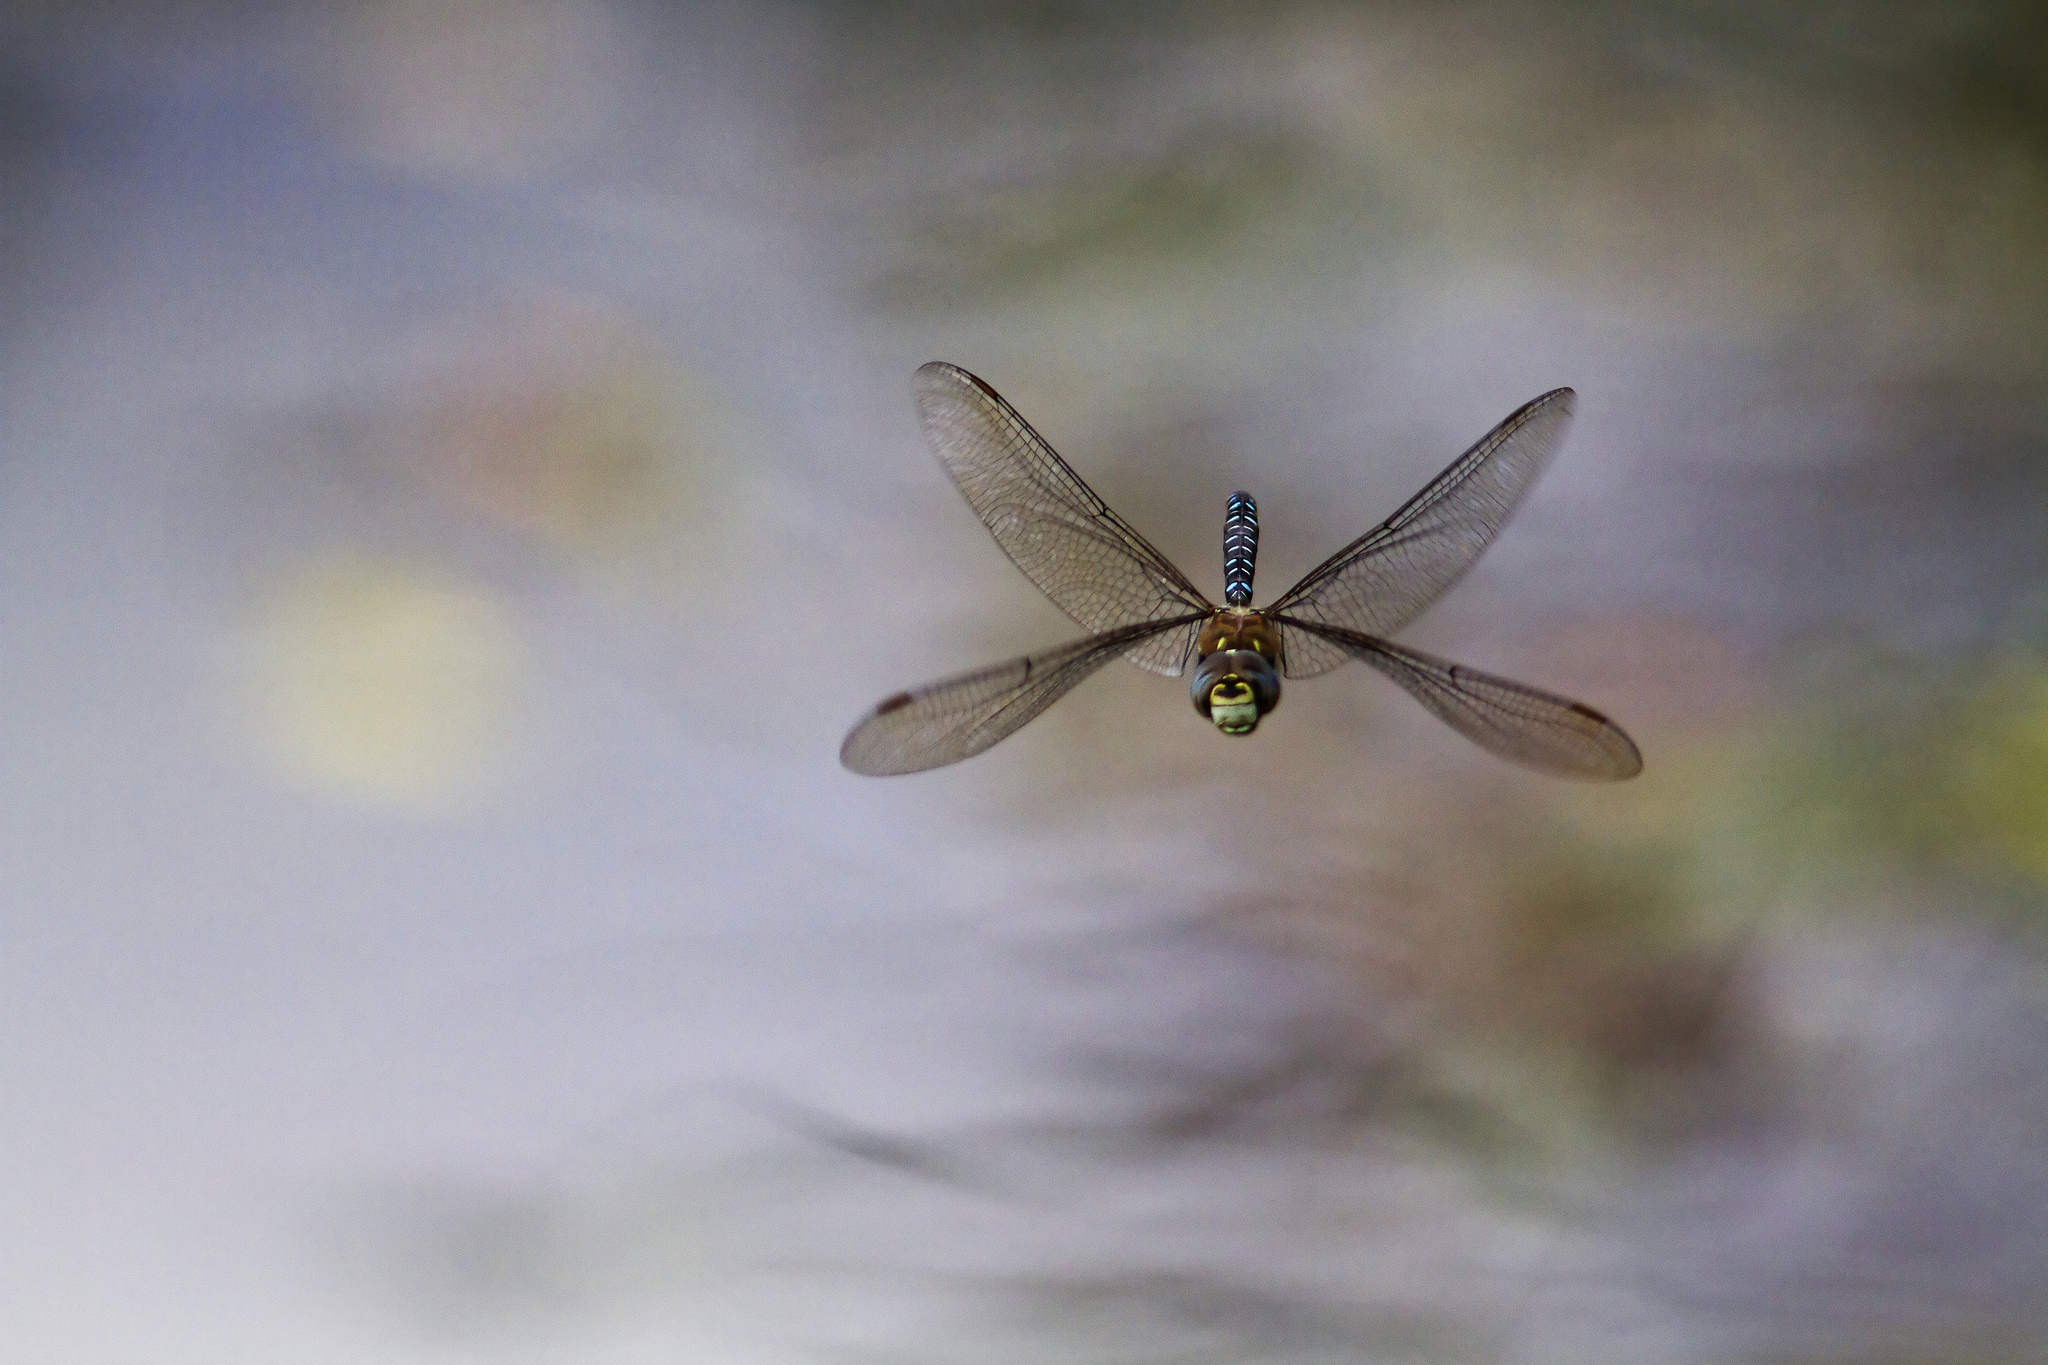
(944, 722)
(1521, 723)
(1068, 541)
(1384, 579)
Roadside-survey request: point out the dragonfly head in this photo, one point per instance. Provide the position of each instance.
(1233, 688)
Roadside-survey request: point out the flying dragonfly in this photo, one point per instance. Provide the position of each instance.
(1100, 571)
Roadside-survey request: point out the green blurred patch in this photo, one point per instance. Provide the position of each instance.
(1607, 1007)
(1619, 1012)
(1932, 771)
(1214, 194)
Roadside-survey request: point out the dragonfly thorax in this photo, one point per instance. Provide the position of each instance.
(1234, 628)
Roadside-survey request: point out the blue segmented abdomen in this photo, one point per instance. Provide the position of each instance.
(1240, 548)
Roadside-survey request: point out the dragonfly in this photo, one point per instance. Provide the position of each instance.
(1138, 606)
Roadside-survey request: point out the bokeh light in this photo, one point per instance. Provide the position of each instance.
(384, 684)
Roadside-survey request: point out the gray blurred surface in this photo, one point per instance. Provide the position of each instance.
(458, 481)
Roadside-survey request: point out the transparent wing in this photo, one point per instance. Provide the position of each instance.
(1525, 724)
(1384, 579)
(947, 721)
(1081, 554)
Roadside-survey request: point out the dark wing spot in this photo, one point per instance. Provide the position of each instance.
(895, 703)
(1589, 713)
(975, 379)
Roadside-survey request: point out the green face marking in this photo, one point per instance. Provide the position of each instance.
(1232, 706)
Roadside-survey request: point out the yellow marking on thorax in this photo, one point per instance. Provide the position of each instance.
(1237, 629)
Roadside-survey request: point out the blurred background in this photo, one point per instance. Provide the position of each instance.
(458, 482)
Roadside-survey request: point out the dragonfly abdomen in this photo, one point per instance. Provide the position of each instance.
(1240, 548)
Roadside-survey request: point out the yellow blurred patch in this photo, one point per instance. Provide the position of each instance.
(1998, 789)
(385, 683)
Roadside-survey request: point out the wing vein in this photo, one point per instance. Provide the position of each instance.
(1391, 574)
(1062, 536)
(1523, 724)
(959, 717)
